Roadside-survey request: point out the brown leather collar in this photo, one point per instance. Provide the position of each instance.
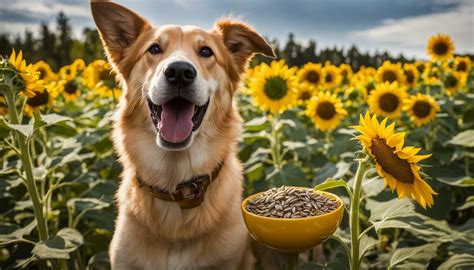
(188, 194)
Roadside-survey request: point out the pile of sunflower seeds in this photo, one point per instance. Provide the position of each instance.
(289, 202)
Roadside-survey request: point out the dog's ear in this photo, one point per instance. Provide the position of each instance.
(242, 41)
(118, 27)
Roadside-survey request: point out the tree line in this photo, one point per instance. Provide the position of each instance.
(59, 47)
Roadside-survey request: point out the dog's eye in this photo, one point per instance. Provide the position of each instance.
(155, 49)
(206, 52)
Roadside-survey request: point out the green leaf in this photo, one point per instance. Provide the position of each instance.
(332, 183)
(467, 204)
(50, 120)
(373, 186)
(465, 139)
(381, 211)
(255, 172)
(99, 261)
(59, 246)
(464, 181)
(400, 214)
(26, 130)
(86, 204)
(458, 261)
(413, 257)
(10, 233)
(290, 174)
(257, 124)
(365, 244)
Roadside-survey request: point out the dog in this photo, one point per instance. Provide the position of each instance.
(176, 132)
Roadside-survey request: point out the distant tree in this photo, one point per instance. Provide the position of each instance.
(92, 45)
(5, 44)
(64, 40)
(29, 48)
(47, 45)
(309, 53)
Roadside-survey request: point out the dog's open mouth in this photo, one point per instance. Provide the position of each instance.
(176, 119)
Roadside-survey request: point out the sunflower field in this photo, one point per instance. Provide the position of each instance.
(394, 141)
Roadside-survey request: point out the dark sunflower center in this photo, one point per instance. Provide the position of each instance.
(106, 75)
(326, 110)
(462, 66)
(312, 77)
(388, 102)
(420, 67)
(42, 72)
(328, 78)
(451, 81)
(389, 76)
(440, 48)
(421, 109)
(70, 87)
(344, 73)
(410, 76)
(305, 95)
(275, 88)
(38, 99)
(390, 162)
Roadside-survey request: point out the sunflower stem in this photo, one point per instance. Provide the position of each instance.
(354, 213)
(276, 147)
(466, 165)
(28, 168)
(292, 261)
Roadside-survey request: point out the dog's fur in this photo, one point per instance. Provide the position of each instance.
(155, 234)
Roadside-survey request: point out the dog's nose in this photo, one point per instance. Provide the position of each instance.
(180, 73)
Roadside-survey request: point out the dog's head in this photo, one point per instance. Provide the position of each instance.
(179, 72)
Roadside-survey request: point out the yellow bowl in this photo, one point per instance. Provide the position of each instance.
(292, 235)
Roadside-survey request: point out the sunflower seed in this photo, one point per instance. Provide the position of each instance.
(289, 202)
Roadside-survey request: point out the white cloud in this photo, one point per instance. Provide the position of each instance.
(18, 28)
(33, 12)
(40, 9)
(409, 35)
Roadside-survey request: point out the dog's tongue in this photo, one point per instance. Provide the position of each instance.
(176, 120)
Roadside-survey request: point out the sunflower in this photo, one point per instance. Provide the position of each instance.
(78, 64)
(311, 73)
(43, 99)
(325, 111)
(411, 74)
(394, 162)
(3, 106)
(68, 72)
(453, 81)
(432, 74)
(45, 72)
(30, 77)
(273, 87)
(305, 92)
(387, 99)
(70, 89)
(421, 109)
(462, 64)
(97, 74)
(440, 47)
(353, 95)
(105, 91)
(346, 72)
(365, 80)
(331, 76)
(420, 65)
(389, 72)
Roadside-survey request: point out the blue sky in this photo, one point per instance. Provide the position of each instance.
(392, 25)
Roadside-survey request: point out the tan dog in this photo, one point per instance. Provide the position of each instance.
(176, 121)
